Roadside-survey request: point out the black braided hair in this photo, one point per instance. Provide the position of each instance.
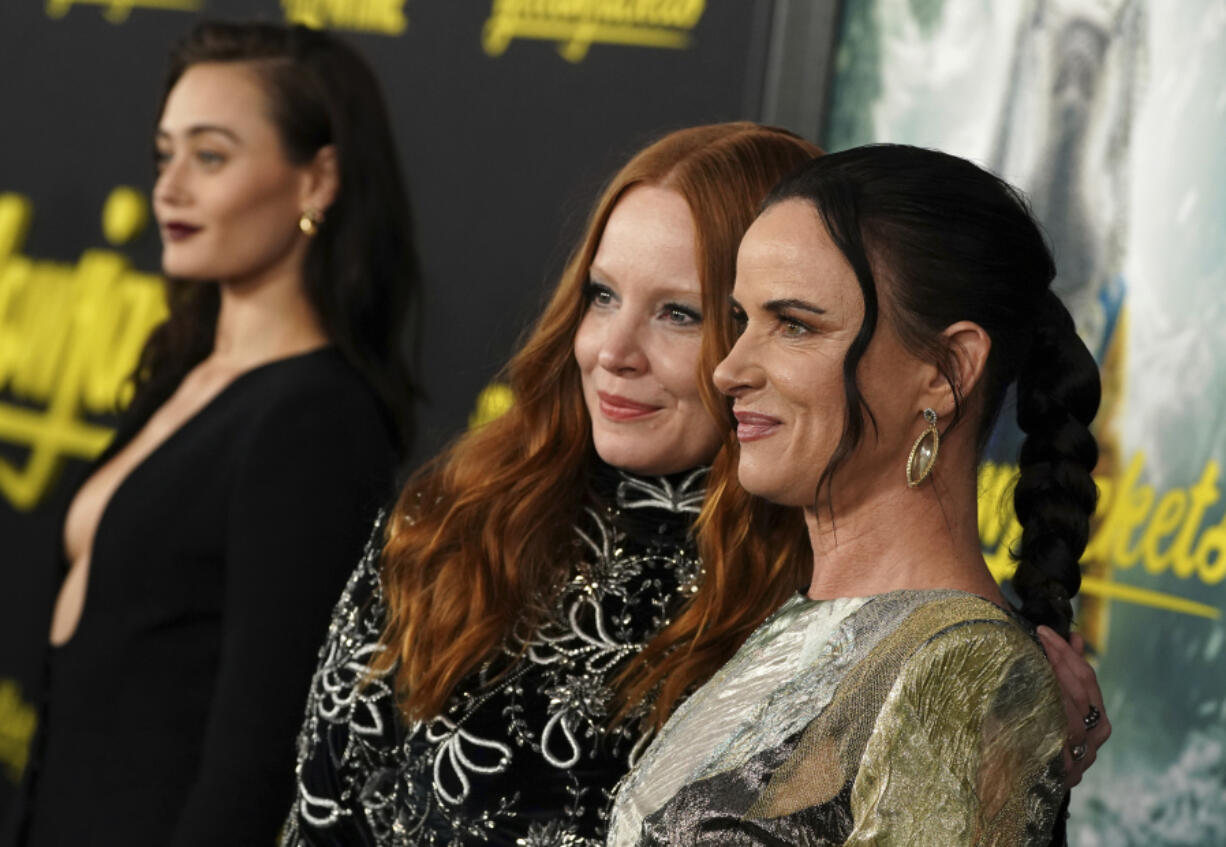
(1058, 392)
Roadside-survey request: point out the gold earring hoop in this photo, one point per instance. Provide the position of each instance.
(310, 221)
(924, 451)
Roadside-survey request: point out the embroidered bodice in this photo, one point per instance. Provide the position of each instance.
(524, 757)
(908, 718)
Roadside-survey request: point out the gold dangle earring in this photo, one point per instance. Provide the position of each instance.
(924, 451)
(310, 221)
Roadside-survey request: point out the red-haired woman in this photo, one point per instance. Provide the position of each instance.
(535, 606)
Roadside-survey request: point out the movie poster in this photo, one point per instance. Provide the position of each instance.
(1111, 116)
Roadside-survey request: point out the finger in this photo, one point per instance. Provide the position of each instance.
(1072, 773)
(1074, 769)
(1075, 728)
(1073, 697)
(1090, 681)
(1084, 765)
(1057, 648)
(1078, 644)
(1076, 676)
(1094, 702)
(1083, 669)
(1062, 659)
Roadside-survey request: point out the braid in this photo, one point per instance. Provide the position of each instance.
(1058, 392)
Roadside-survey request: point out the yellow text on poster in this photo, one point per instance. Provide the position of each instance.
(1164, 533)
(385, 17)
(17, 721)
(578, 24)
(70, 336)
(117, 11)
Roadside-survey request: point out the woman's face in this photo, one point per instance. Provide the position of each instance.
(227, 200)
(638, 344)
(800, 306)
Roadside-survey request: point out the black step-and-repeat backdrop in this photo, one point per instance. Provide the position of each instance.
(509, 115)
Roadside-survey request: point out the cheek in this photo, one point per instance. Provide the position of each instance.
(587, 345)
(253, 211)
(250, 224)
(816, 398)
(675, 362)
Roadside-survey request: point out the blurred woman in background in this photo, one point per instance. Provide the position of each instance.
(204, 550)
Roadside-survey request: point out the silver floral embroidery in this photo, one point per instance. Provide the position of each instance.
(451, 741)
(360, 766)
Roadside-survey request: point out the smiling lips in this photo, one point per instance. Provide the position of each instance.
(750, 426)
(618, 408)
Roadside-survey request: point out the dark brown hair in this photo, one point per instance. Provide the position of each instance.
(360, 270)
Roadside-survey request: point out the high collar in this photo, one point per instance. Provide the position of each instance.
(650, 506)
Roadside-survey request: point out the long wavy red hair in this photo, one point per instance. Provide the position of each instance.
(473, 546)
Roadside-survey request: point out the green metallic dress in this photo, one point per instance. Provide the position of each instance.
(909, 718)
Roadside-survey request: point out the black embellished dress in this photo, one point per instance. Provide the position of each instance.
(529, 759)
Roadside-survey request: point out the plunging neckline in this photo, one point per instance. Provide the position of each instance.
(190, 423)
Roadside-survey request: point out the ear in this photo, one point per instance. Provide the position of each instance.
(321, 180)
(968, 345)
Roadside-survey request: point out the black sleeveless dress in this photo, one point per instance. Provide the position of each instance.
(169, 716)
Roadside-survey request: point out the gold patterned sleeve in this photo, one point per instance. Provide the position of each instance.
(966, 749)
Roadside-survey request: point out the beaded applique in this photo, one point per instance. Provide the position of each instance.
(529, 760)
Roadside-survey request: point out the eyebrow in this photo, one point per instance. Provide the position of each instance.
(777, 306)
(599, 276)
(200, 129)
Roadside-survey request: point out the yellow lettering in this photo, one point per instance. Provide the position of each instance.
(1129, 507)
(995, 511)
(69, 338)
(1204, 494)
(381, 16)
(15, 216)
(1124, 513)
(998, 526)
(117, 11)
(17, 722)
(1123, 507)
(1167, 516)
(1210, 561)
(577, 24)
(492, 403)
(125, 215)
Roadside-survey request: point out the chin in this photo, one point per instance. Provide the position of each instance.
(188, 274)
(625, 459)
(180, 268)
(634, 459)
(765, 483)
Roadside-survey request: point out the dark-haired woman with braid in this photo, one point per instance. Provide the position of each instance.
(203, 552)
(887, 298)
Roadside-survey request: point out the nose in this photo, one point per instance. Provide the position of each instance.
(170, 188)
(621, 348)
(738, 373)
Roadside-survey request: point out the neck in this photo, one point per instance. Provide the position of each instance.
(266, 317)
(903, 538)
